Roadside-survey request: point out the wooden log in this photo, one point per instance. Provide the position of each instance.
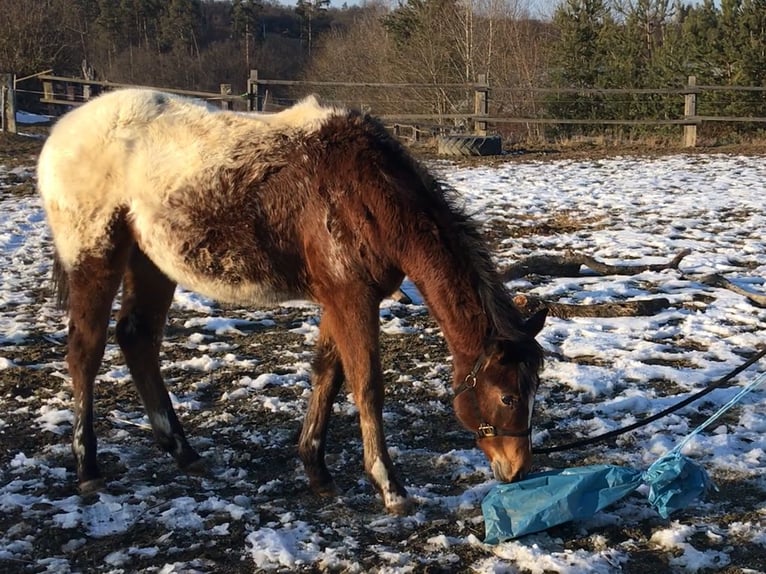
(529, 304)
(716, 280)
(569, 266)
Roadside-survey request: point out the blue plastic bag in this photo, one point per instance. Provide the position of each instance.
(675, 482)
(550, 498)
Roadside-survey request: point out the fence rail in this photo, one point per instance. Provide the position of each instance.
(476, 112)
(74, 91)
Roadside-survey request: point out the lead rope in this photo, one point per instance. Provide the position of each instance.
(645, 421)
(758, 381)
(656, 469)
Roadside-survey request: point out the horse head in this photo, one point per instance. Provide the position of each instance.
(495, 400)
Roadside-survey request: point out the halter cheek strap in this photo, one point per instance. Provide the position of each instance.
(485, 429)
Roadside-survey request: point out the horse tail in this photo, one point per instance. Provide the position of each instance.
(60, 283)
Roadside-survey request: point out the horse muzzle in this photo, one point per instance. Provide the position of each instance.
(510, 458)
(505, 473)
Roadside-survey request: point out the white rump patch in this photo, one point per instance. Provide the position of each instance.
(133, 153)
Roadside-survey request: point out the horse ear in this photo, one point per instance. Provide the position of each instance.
(534, 324)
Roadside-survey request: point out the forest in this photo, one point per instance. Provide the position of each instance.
(607, 45)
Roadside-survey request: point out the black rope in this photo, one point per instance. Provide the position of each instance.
(645, 421)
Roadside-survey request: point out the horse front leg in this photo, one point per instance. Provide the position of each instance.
(93, 284)
(147, 295)
(355, 329)
(328, 379)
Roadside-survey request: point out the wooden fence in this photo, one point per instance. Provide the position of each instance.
(476, 114)
(7, 104)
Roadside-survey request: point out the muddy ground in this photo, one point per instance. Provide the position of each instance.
(272, 479)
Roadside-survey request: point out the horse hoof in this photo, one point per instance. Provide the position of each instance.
(401, 507)
(89, 487)
(325, 489)
(196, 468)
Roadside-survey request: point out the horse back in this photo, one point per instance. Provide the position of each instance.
(242, 208)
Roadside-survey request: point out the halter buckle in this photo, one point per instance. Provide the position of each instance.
(486, 430)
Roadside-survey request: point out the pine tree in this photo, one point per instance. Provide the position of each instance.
(309, 11)
(179, 27)
(244, 24)
(753, 45)
(581, 57)
(753, 42)
(701, 35)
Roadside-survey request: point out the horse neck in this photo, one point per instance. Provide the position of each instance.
(453, 300)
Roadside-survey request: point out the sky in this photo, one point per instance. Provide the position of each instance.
(539, 8)
(600, 374)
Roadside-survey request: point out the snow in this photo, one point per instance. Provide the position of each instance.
(29, 118)
(600, 375)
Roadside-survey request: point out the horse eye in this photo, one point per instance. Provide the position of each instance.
(509, 400)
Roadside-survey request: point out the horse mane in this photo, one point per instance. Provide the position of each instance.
(463, 237)
(471, 247)
(505, 319)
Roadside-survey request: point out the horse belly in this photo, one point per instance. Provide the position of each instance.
(223, 270)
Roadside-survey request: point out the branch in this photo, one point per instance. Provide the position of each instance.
(529, 304)
(569, 266)
(716, 280)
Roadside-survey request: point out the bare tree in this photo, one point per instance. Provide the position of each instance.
(36, 34)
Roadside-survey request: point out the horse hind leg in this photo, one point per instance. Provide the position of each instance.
(147, 295)
(91, 284)
(327, 381)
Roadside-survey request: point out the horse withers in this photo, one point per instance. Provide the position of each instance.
(149, 191)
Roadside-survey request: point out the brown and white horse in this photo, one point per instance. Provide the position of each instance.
(149, 190)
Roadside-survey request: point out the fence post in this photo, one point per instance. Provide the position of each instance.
(225, 93)
(480, 105)
(48, 90)
(254, 93)
(8, 109)
(690, 110)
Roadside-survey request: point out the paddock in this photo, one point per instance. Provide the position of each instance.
(259, 514)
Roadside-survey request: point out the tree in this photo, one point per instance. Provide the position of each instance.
(38, 34)
(581, 57)
(753, 42)
(432, 45)
(179, 27)
(700, 31)
(309, 11)
(244, 23)
(748, 26)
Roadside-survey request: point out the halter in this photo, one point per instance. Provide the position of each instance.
(485, 430)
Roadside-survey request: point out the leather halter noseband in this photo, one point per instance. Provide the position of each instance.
(485, 430)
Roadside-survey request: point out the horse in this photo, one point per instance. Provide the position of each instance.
(145, 191)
